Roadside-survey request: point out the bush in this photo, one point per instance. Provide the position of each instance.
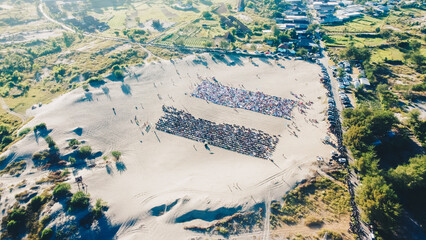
(61, 190)
(98, 209)
(46, 234)
(116, 154)
(45, 220)
(330, 235)
(15, 221)
(73, 142)
(96, 80)
(24, 131)
(35, 203)
(12, 227)
(119, 74)
(72, 160)
(379, 202)
(311, 221)
(85, 151)
(40, 127)
(79, 200)
(223, 231)
(50, 141)
(288, 220)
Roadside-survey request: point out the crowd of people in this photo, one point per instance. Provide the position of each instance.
(231, 137)
(244, 99)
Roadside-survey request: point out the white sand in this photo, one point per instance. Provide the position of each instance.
(158, 173)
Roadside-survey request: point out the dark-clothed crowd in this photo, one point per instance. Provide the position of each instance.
(244, 99)
(231, 137)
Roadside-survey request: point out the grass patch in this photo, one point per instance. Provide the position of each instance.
(380, 55)
(38, 94)
(14, 168)
(119, 20)
(319, 196)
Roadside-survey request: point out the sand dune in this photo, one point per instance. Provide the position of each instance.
(163, 171)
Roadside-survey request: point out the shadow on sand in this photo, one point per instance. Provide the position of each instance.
(126, 89)
(121, 167)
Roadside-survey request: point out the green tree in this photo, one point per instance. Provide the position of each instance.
(119, 74)
(359, 54)
(302, 52)
(85, 151)
(50, 141)
(411, 176)
(73, 142)
(79, 200)
(358, 139)
(388, 99)
(368, 164)
(382, 122)
(69, 38)
(206, 15)
(116, 155)
(379, 202)
(61, 190)
(46, 234)
(72, 160)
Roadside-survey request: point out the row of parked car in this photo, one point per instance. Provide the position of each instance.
(345, 99)
(333, 116)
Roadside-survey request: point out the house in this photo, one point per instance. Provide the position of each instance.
(283, 47)
(295, 2)
(306, 43)
(329, 18)
(361, 82)
(365, 82)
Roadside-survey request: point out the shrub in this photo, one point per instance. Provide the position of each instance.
(79, 200)
(35, 203)
(45, 220)
(46, 234)
(288, 220)
(98, 209)
(73, 142)
(15, 221)
(85, 151)
(330, 235)
(50, 141)
(96, 80)
(61, 190)
(39, 127)
(24, 131)
(116, 154)
(223, 231)
(311, 221)
(12, 227)
(72, 160)
(119, 74)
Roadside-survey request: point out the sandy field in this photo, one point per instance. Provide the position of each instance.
(159, 171)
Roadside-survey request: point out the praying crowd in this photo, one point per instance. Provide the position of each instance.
(232, 137)
(244, 99)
